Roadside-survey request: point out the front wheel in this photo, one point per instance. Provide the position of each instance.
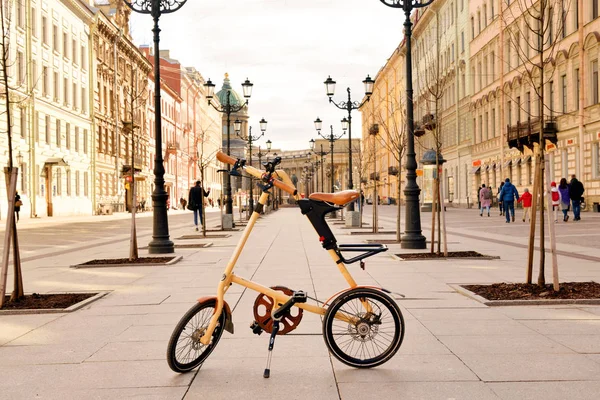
(363, 328)
(185, 351)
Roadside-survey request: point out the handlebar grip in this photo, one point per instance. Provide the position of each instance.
(285, 187)
(225, 158)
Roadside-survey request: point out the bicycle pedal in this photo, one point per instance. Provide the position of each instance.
(300, 296)
(256, 329)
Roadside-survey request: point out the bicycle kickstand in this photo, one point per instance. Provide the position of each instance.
(267, 372)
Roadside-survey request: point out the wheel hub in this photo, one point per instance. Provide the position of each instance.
(196, 336)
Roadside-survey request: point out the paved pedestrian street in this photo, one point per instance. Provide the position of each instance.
(454, 347)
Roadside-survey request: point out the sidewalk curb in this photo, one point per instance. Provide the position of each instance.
(72, 308)
(502, 303)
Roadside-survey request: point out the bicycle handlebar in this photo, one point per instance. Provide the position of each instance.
(257, 173)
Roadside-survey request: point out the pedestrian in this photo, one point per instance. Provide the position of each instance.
(507, 195)
(485, 199)
(526, 201)
(143, 204)
(196, 200)
(362, 199)
(18, 204)
(479, 196)
(500, 206)
(565, 198)
(555, 200)
(576, 190)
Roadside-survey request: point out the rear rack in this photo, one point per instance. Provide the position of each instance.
(367, 249)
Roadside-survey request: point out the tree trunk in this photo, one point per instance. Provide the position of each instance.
(542, 272)
(531, 245)
(399, 205)
(433, 215)
(552, 226)
(443, 223)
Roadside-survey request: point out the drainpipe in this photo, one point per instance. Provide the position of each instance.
(116, 112)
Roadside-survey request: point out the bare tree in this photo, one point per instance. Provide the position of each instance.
(392, 123)
(11, 172)
(203, 160)
(535, 28)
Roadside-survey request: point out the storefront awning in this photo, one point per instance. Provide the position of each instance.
(58, 161)
(476, 169)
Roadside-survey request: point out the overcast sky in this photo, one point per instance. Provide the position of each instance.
(287, 49)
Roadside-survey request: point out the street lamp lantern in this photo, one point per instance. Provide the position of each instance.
(237, 126)
(263, 125)
(210, 89)
(368, 82)
(269, 143)
(247, 88)
(312, 144)
(318, 124)
(329, 86)
(345, 124)
(413, 237)
(19, 159)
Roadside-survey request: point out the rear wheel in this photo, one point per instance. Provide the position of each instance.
(370, 332)
(185, 351)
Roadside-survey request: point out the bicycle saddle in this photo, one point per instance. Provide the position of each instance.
(340, 198)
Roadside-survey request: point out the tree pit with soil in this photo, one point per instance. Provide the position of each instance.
(120, 261)
(526, 291)
(451, 254)
(37, 301)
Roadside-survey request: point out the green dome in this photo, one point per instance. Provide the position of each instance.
(234, 97)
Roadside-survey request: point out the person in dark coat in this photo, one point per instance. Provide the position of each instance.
(500, 206)
(576, 190)
(17, 207)
(507, 196)
(196, 200)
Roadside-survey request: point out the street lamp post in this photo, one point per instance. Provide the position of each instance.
(347, 122)
(237, 125)
(160, 243)
(413, 238)
(322, 162)
(228, 109)
(331, 138)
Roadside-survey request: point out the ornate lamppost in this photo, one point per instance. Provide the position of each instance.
(237, 126)
(331, 138)
(321, 163)
(347, 122)
(160, 242)
(413, 238)
(229, 109)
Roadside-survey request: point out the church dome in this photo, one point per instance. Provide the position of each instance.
(234, 97)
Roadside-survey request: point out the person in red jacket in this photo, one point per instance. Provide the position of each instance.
(526, 200)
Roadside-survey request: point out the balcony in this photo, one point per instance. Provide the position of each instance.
(525, 134)
(172, 147)
(393, 171)
(374, 176)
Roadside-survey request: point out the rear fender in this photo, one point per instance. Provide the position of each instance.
(228, 320)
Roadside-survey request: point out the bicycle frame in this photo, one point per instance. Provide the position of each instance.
(280, 298)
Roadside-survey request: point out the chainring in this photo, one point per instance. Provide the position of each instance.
(263, 306)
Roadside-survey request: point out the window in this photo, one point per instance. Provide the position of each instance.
(66, 91)
(84, 108)
(517, 47)
(478, 21)
(487, 127)
(55, 38)
(594, 82)
(23, 171)
(564, 162)
(45, 38)
(45, 78)
(576, 15)
(519, 174)
(65, 45)
(56, 92)
(20, 13)
(34, 22)
(528, 104)
(529, 172)
(551, 100)
(563, 21)
(493, 66)
(83, 58)
(462, 41)
(34, 73)
(462, 4)
(594, 9)
(23, 117)
(563, 95)
(58, 182)
(85, 183)
(68, 182)
(77, 184)
(518, 109)
(85, 142)
(472, 27)
(595, 160)
(508, 54)
(493, 125)
(58, 134)
(509, 112)
(47, 127)
(74, 93)
(484, 15)
(68, 135)
(100, 146)
(20, 68)
(74, 51)
(492, 7)
(485, 70)
(36, 126)
(550, 26)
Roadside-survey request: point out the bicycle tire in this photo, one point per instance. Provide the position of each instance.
(191, 342)
(341, 337)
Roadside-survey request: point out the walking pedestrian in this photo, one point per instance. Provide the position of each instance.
(500, 205)
(555, 200)
(507, 196)
(576, 193)
(526, 201)
(565, 198)
(479, 196)
(18, 204)
(485, 199)
(196, 200)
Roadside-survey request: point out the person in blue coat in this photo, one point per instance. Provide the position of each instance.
(507, 197)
